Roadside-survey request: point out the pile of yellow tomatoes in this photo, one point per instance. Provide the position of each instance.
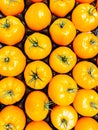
(48, 65)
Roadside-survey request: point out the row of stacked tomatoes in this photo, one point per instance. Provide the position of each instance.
(48, 65)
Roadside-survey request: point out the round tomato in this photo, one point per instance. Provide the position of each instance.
(12, 61)
(38, 125)
(37, 46)
(85, 17)
(37, 74)
(86, 123)
(37, 105)
(62, 89)
(85, 73)
(62, 59)
(85, 1)
(11, 90)
(61, 8)
(12, 118)
(11, 7)
(11, 30)
(86, 102)
(63, 117)
(62, 31)
(85, 45)
(38, 16)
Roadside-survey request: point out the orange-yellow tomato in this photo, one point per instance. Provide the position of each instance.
(62, 31)
(37, 105)
(86, 102)
(62, 89)
(12, 118)
(38, 125)
(11, 90)
(37, 46)
(12, 61)
(85, 74)
(11, 30)
(63, 117)
(85, 17)
(62, 59)
(85, 45)
(11, 7)
(38, 16)
(86, 123)
(85, 1)
(37, 74)
(61, 8)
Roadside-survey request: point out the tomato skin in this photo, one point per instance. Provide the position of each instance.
(85, 17)
(62, 31)
(11, 90)
(12, 117)
(37, 74)
(36, 125)
(62, 59)
(86, 102)
(85, 45)
(63, 117)
(37, 46)
(86, 123)
(11, 8)
(85, 74)
(11, 30)
(56, 6)
(41, 17)
(39, 106)
(10, 61)
(62, 89)
(85, 1)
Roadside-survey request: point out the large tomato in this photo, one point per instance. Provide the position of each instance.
(85, 17)
(61, 8)
(11, 30)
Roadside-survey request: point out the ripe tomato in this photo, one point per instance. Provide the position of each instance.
(39, 19)
(11, 90)
(12, 118)
(63, 117)
(11, 7)
(86, 123)
(62, 59)
(37, 46)
(38, 125)
(62, 89)
(85, 45)
(85, 1)
(37, 105)
(85, 17)
(11, 30)
(12, 61)
(85, 74)
(61, 8)
(62, 31)
(37, 74)
(86, 102)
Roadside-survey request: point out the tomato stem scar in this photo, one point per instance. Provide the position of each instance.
(34, 43)
(94, 105)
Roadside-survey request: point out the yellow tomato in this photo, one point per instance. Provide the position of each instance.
(85, 17)
(62, 31)
(11, 30)
(37, 46)
(86, 102)
(12, 61)
(85, 73)
(85, 45)
(62, 59)
(62, 89)
(11, 90)
(37, 74)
